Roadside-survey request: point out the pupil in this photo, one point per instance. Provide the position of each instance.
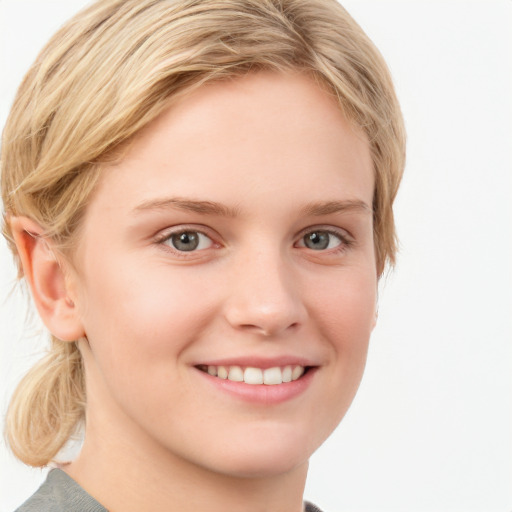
(187, 241)
(318, 240)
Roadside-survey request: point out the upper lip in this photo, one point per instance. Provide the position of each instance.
(259, 362)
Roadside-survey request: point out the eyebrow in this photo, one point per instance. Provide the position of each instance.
(330, 207)
(191, 205)
(213, 208)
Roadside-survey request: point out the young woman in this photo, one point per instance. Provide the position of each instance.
(199, 195)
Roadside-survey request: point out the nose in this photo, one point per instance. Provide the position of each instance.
(264, 296)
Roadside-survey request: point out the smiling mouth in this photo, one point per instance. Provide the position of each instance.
(254, 376)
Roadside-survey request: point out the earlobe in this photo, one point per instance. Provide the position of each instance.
(47, 280)
(376, 312)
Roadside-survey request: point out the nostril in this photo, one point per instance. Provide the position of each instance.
(270, 329)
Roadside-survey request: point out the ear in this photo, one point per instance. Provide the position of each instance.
(47, 280)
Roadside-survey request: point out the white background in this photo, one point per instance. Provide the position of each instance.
(431, 428)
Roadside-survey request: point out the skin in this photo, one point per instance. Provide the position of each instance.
(273, 150)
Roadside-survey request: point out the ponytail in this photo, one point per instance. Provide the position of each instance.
(47, 406)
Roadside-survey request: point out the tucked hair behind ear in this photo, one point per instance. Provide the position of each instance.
(110, 71)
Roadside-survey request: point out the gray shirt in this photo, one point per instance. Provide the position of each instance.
(60, 493)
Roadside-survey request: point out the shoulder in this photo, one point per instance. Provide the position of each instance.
(309, 507)
(60, 493)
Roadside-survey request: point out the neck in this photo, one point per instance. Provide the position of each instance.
(129, 473)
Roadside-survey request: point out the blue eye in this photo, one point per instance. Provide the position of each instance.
(187, 241)
(321, 240)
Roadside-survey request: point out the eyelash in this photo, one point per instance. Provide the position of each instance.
(167, 235)
(345, 240)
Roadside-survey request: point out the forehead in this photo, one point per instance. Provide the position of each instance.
(230, 139)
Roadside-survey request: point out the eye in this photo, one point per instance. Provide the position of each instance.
(321, 240)
(187, 241)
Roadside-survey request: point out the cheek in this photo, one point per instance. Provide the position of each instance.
(135, 315)
(138, 325)
(345, 305)
(345, 313)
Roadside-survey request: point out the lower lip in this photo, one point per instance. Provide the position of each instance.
(262, 393)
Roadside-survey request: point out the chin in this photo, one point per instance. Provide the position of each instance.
(262, 465)
(270, 455)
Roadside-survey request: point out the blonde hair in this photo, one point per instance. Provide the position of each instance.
(110, 71)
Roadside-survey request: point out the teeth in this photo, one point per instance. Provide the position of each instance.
(272, 376)
(236, 374)
(253, 376)
(250, 375)
(297, 372)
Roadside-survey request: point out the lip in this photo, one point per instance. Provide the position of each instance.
(260, 393)
(260, 362)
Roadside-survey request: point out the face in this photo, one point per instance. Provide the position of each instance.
(227, 278)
